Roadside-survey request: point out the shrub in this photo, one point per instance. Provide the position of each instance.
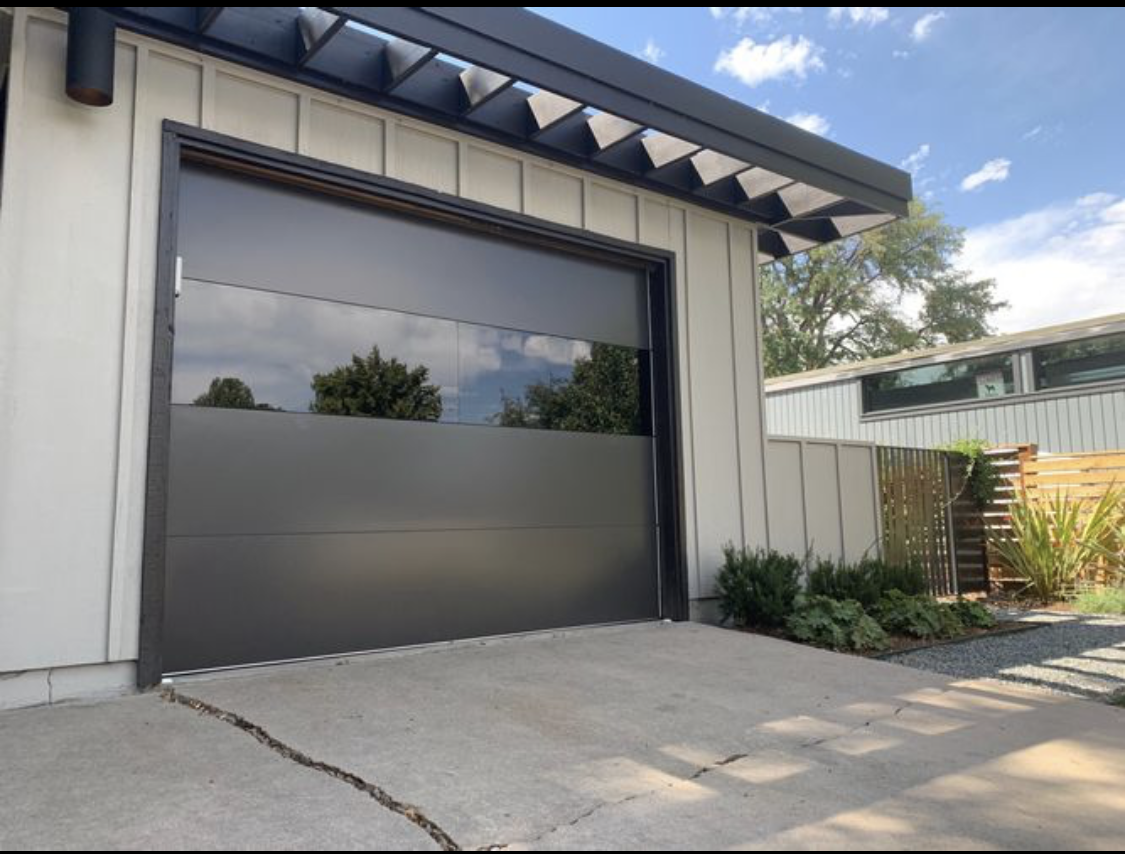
(908, 578)
(840, 625)
(1101, 600)
(757, 588)
(973, 614)
(865, 581)
(917, 616)
(1052, 541)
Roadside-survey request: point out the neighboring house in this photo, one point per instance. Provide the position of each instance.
(1061, 388)
(315, 340)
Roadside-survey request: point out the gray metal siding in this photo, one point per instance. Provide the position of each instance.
(1090, 421)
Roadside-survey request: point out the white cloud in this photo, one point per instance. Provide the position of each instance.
(1059, 263)
(652, 52)
(1034, 132)
(855, 15)
(755, 63)
(923, 28)
(917, 159)
(994, 170)
(812, 122)
(900, 54)
(741, 15)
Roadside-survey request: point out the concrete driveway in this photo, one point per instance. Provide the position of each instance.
(653, 736)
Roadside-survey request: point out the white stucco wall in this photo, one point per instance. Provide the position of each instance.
(77, 269)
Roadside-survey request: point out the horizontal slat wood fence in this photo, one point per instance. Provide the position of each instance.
(1081, 476)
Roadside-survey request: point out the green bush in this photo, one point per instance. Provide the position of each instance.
(1100, 600)
(839, 625)
(973, 614)
(917, 616)
(866, 581)
(757, 588)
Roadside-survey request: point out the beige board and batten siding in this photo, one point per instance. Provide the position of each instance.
(78, 236)
(1091, 419)
(823, 498)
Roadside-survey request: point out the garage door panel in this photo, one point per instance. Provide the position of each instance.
(247, 472)
(389, 429)
(232, 600)
(262, 234)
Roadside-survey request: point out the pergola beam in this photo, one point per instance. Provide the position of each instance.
(402, 59)
(205, 17)
(315, 28)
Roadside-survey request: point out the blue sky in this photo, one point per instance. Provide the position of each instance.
(1010, 119)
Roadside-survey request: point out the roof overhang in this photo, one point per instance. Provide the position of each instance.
(517, 79)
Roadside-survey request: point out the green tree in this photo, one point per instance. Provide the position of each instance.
(844, 302)
(377, 387)
(227, 393)
(602, 395)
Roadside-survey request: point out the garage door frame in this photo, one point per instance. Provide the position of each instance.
(182, 143)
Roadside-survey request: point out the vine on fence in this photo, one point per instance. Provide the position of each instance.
(982, 477)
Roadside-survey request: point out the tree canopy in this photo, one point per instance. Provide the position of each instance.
(847, 301)
(602, 395)
(374, 386)
(227, 393)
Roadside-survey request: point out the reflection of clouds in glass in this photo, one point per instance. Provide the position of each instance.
(277, 343)
(499, 363)
(557, 351)
(478, 350)
(484, 349)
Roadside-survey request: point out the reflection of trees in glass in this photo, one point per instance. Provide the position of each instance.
(602, 395)
(227, 393)
(379, 388)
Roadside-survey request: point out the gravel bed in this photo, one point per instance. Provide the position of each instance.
(1076, 654)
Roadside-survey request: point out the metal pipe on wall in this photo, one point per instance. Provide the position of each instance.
(90, 53)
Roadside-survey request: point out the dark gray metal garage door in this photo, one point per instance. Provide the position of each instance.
(390, 430)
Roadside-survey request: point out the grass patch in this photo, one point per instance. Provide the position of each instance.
(1100, 600)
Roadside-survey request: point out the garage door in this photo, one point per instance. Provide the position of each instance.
(389, 430)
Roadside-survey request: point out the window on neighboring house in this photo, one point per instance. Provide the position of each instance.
(1071, 363)
(948, 382)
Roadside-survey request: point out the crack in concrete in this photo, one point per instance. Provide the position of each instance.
(378, 794)
(817, 742)
(714, 766)
(604, 805)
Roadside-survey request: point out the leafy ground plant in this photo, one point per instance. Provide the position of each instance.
(917, 616)
(1052, 541)
(838, 625)
(973, 614)
(757, 588)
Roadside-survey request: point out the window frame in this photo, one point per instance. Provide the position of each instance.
(1013, 365)
(1034, 352)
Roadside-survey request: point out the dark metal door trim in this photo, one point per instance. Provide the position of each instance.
(185, 143)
